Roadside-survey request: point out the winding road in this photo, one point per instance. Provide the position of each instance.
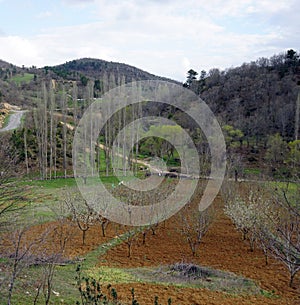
(14, 121)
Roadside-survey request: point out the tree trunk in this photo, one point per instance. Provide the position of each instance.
(297, 114)
(45, 133)
(25, 150)
(292, 279)
(52, 101)
(64, 110)
(12, 282)
(129, 249)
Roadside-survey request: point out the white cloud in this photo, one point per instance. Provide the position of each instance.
(164, 37)
(45, 14)
(233, 8)
(77, 2)
(19, 51)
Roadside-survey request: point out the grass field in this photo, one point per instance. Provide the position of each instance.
(232, 274)
(22, 78)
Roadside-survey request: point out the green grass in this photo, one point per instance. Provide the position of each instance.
(22, 78)
(71, 182)
(289, 187)
(44, 197)
(63, 282)
(52, 184)
(215, 280)
(252, 171)
(109, 275)
(6, 120)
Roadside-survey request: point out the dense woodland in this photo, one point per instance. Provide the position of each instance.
(259, 97)
(257, 105)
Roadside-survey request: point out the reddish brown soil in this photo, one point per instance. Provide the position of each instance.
(222, 248)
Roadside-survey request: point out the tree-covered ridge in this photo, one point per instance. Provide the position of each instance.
(259, 98)
(97, 68)
(20, 85)
(253, 103)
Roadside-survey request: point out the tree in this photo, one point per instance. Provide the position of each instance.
(292, 55)
(129, 238)
(40, 116)
(26, 149)
(20, 248)
(202, 81)
(12, 197)
(277, 151)
(233, 138)
(272, 219)
(191, 77)
(75, 102)
(64, 134)
(232, 135)
(81, 212)
(194, 225)
(282, 237)
(49, 259)
(292, 59)
(294, 158)
(250, 214)
(84, 80)
(52, 132)
(297, 116)
(104, 222)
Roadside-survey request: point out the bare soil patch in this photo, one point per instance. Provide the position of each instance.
(222, 248)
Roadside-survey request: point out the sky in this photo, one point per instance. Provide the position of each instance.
(163, 37)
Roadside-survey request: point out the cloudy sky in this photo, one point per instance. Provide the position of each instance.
(164, 37)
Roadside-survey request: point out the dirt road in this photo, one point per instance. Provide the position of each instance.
(14, 121)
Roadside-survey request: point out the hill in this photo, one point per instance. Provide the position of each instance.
(253, 103)
(19, 85)
(97, 69)
(259, 98)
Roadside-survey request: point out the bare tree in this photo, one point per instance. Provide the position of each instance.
(297, 115)
(64, 114)
(48, 263)
(12, 197)
(20, 249)
(48, 258)
(41, 127)
(52, 131)
(129, 238)
(282, 237)
(194, 225)
(81, 212)
(26, 149)
(104, 222)
(75, 102)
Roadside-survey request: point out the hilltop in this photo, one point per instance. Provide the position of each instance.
(19, 85)
(97, 69)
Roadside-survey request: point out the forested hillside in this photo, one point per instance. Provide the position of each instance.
(257, 105)
(21, 85)
(259, 98)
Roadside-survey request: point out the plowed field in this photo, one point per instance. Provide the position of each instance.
(222, 248)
